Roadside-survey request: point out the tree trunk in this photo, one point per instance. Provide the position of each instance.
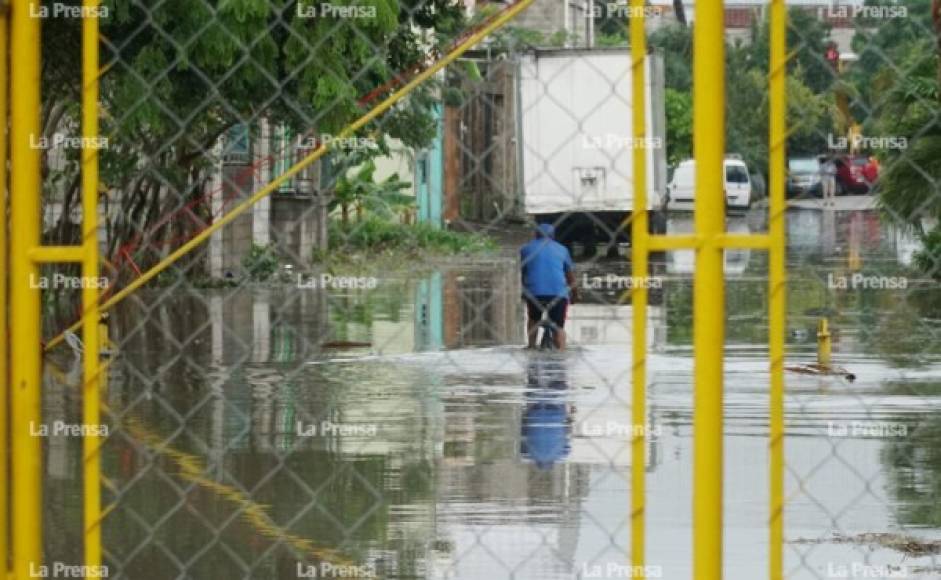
(936, 14)
(680, 11)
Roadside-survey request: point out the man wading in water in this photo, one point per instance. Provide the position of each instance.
(548, 283)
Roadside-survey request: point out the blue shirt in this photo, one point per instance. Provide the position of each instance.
(544, 264)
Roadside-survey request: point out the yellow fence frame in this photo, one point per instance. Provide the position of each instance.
(710, 241)
(25, 374)
(27, 254)
(4, 267)
(91, 358)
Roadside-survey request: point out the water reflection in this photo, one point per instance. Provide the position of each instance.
(819, 235)
(914, 461)
(547, 420)
(404, 428)
(684, 261)
(460, 307)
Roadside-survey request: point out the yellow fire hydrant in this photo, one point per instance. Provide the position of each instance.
(823, 342)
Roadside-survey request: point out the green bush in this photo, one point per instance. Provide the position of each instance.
(378, 234)
(929, 258)
(260, 263)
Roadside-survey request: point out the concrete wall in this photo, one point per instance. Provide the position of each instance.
(551, 16)
(237, 185)
(298, 225)
(295, 221)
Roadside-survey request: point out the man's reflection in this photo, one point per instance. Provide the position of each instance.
(547, 419)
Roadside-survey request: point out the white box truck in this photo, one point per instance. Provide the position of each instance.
(577, 143)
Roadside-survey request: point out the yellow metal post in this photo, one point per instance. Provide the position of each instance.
(638, 47)
(25, 375)
(708, 286)
(777, 302)
(90, 298)
(4, 352)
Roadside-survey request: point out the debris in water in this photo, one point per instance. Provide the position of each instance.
(346, 344)
(908, 545)
(819, 369)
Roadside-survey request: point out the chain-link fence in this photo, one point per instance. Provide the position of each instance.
(334, 385)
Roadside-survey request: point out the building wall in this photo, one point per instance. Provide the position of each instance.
(546, 16)
(551, 16)
(298, 225)
(293, 219)
(237, 185)
(400, 160)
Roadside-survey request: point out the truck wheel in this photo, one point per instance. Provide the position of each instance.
(657, 223)
(589, 244)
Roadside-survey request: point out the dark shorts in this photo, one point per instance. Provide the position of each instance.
(555, 306)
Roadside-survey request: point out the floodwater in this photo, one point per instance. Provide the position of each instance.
(401, 431)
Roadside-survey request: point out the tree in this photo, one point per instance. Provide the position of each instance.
(675, 43)
(898, 84)
(809, 110)
(679, 114)
(181, 73)
(808, 37)
(881, 50)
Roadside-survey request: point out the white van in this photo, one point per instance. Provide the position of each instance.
(738, 187)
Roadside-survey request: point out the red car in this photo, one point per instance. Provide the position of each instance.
(850, 175)
(871, 171)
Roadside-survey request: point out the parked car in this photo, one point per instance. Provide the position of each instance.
(849, 176)
(865, 169)
(803, 177)
(738, 185)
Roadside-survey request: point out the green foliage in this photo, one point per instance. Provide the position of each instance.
(610, 23)
(558, 39)
(516, 38)
(910, 178)
(808, 37)
(810, 111)
(376, 234)
(261, 262)
(180, 73)
(929, 258)
(893, 47)
(359, 188)
(675, 43)
(679, 114)
(896, 83)
(811, 116)
(610, 40)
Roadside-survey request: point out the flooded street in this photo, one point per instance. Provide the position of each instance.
(403, 431)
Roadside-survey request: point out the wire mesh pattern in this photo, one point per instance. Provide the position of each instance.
(335, 384)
